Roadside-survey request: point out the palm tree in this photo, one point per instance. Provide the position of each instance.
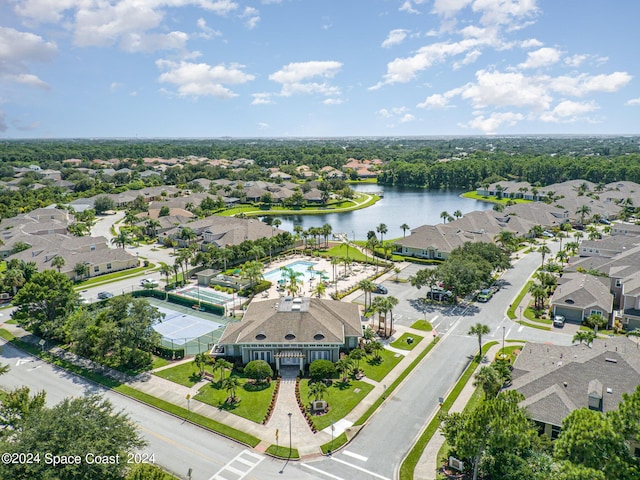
(347, 263)
(317, 390)
(200, 361)
(252, 271)
(225, 254)
(507, 240)
(320, 289)
(479, 329)
(231, 384)
(80, 270)
(544, 251)
(344, 366)
(404, 228)
(188, 234)
(457, 214)
(222, 365)
(539, 293)
(444, 215)
(293, 278)
(326, 231)
(376, 348)
(358, 354)
(122, 238)
(562, 255)
(151, 226)
(391, 302)
(584, 336)
(257, 251)
(489, 379)
(14, 277)
(58, 262)
(382, 230)
(583, 211)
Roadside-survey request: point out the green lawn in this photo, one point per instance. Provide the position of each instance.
(340, 251)
(341, 397)
(493, 199)
(403, 343)
(184, 374)
(511, 313)
(253, 401)
(377, 369)
(422, 325)
(159, 362)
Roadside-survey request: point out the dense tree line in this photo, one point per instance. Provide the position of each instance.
(481, 167)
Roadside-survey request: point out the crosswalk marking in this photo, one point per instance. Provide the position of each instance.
(355, 455)
(240, 468)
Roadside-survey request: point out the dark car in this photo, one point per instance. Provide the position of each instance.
(105, 295)
(381, 289)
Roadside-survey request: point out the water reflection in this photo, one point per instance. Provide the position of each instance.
(399, 206)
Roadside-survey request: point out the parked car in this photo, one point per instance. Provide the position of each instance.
(439, 293)
(558, 321)
(148, 282)
(485, 295)
(604, 221)
(381, 289)
(547, 234)
(105, 295)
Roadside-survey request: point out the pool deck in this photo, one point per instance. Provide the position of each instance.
(355, 273)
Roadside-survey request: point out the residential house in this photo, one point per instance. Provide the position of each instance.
(556, 380)
(579, 295)
(292, 332)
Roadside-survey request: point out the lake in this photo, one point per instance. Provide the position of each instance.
(413, 206)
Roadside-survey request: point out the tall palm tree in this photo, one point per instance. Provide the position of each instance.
(457, 214)
(121, 239)
(252, 271)
(344, 366)
(444, 215)
(404, 228)
(506, 239)
(222, 365)
(58, 262)
(479, 329)
(151, 226)
(368, 287)
(293, 279)
(317, 390)
(257, 251)
(14, 277)
(382, 230)
(544, 251)
(489, 379)
(166, 271)
(539, 293)
(320, 289)
(188, 234)
(326, 231)
(231, 384)
(583, 211)
(391, 302)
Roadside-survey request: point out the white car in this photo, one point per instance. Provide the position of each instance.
(147, 282)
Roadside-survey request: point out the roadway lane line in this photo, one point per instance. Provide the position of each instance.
(359, 468)
(321, 471)
(355, 455)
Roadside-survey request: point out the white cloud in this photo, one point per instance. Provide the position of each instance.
(407, 117)
(634, 102)
(333, 101)
(17, 51)
(261, 99)
(505, 12)
(531, 43)
(27, 79)
(201, 79)
(295, 78)
(435, 101)
(469, 58)
(395, 37)
(115, 86)
(584, 84)
(493, 122)
(448, 8)
(252, 17)
(541, 58)
(263, 126)
(206, 31)
(498, 89)
(568, 111)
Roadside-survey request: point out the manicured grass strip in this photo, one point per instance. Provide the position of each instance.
(253, 401)
(339, 441)
(378, 369)
(186, 374)
(201, 420)
(283, 452)
(408, 465)
(133, 393)
(511, 313)
(422, 325)
(341, 398)
(403, 342)
(340, 251)
(533, 325)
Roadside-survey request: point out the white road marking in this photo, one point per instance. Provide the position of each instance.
(22, 361)
(241, 459)
(359, 468)
(34, 368)
(355, 455)
(521, 328)
(322, 472)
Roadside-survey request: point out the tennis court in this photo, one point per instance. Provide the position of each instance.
(206, 294)
(182, 327)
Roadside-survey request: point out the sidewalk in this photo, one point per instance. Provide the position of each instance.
(429, 463)
(307, 443)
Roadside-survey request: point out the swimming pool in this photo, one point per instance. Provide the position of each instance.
(300, 266)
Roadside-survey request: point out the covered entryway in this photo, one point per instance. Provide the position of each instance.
(289, 358)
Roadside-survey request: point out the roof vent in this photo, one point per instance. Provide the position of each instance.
(609, 390)
(261, 336)
(290, 335)
(611, 360)
(295, 307)
(318, 336)
(297, 300)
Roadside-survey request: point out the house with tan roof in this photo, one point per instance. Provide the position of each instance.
(292, 332)
(579, 295)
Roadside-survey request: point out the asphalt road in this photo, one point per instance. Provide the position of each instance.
(176, 445)
(376, 453)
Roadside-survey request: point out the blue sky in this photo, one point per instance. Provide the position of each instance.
(300, 68)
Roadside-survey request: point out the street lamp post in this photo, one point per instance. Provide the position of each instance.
(289, 415)
(520, 307)
(503, 329)
(188, 404)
